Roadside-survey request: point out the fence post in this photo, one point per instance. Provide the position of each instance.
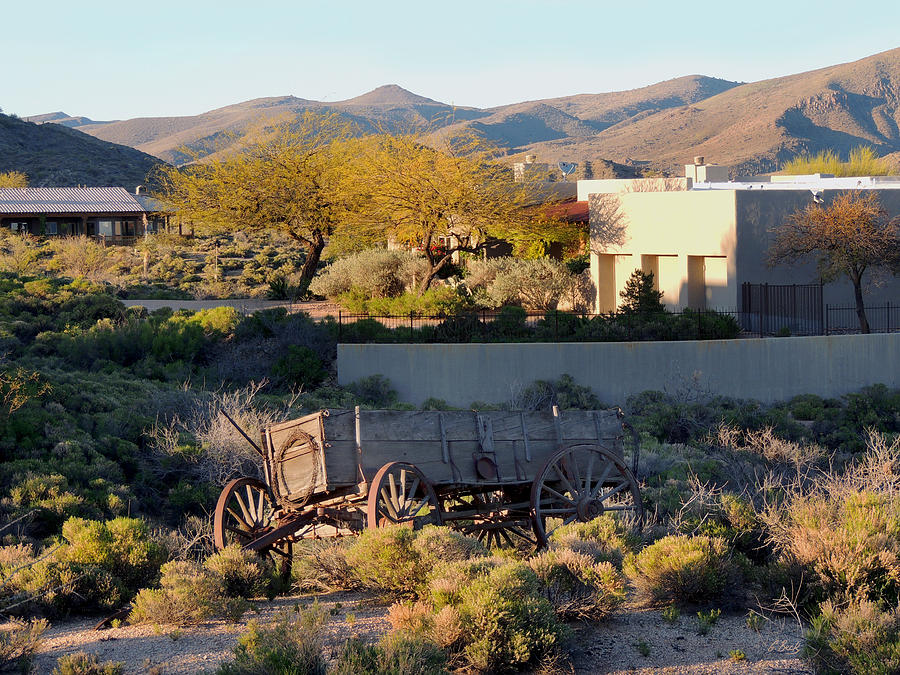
(827, 312)
(340, 325)
(410, 325)
(556, 326)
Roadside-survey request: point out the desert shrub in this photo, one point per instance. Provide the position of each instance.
(121, 546)
(395, 654)
(564, 392)
(290, 645)
(244, 574)
(860, 638)
(80, 257)
(685, 569)
(398, 559)
(534, 284)
(188, 594)
(845, 527)
(602, 538)
(321, 565)
(398, 653)
(18, 644)
(384, 559)
(299, 367)
(506, 622)
(81, 663)
(862, 161)
(374, 391)
(373, 273)
(577, 586)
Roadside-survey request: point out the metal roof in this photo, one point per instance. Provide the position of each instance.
(68, 200)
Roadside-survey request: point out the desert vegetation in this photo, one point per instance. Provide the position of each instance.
(114, 450)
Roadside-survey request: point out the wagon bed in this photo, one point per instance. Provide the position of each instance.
(503, 476)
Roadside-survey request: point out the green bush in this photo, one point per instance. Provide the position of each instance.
(299, 367)
(290, 645)
(577, 586)
(121, 546)
(18, 644)
(602, 538)
(244, 574)
(861, 639)
(685, 569)
(80, 663)
(397, 653)
(188, 594)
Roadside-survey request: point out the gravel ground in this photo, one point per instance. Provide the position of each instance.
(611, 647)
(165, 650)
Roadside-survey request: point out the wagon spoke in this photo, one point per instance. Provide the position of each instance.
(388, 504)
(590, 468)
(239, 532)
(238, 518)
(248, 519)
(565, 480)
(615, 490)
(251, 505)
(557, 511)
(576, 475)
(392, 481)
(412, 490)
(601, 480)
(549, 489)
(621, 507)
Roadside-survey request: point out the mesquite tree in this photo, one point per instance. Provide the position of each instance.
(847, 237)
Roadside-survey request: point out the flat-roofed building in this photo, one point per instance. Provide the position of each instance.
(704, 240)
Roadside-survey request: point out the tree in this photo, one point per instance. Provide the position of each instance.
(847, 237)
(13, 179)
(639, 295)
(439, 200)
(290, 178)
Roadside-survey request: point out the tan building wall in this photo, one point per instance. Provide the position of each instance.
(702, 245)
(691, 257)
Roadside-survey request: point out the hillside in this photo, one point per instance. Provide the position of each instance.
(753, 127)
(54, 154)
(394, 108)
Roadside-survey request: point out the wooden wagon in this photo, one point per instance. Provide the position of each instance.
(504, 477)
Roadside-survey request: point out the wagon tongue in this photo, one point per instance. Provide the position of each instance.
(242, 432)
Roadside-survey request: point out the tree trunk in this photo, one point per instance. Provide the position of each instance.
(313, 254)
(433, 272)
(860, 307)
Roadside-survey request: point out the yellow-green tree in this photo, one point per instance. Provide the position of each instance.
(847, 237)
(442, 200)
(290, 178)
(13, 179)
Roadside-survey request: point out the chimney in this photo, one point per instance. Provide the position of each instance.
(139, 190)
(698, 160)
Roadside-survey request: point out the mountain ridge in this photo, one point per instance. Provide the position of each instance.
(751, 126)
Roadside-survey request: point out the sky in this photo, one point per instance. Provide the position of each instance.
(117, 60)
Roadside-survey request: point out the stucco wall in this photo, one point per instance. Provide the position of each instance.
(765, 369)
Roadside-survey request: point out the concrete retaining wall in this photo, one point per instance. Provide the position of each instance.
(769, 369)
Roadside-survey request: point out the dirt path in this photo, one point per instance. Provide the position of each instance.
(631, 641)
(317, 310)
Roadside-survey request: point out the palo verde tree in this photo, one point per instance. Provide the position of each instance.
(847, 237)
(13, 179)
(289, 178)
(439, 200)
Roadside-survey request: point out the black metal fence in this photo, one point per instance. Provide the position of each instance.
(555, 326)
(769, 309)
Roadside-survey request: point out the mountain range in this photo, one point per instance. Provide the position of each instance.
(753, 127)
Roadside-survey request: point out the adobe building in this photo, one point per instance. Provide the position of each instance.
(110, 214)
(703, 236)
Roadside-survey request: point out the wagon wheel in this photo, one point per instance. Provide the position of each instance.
(400, 493)
(245, 512)
(579, 483)
(494, 525)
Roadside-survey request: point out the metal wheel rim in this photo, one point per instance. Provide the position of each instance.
(399, 493)
(599, 484)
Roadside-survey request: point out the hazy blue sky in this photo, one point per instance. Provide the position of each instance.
(124, 59)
